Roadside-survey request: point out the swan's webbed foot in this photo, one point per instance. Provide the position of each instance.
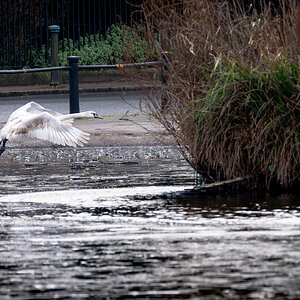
(2, 149)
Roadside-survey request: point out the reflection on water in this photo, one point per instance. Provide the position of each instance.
(126, 238)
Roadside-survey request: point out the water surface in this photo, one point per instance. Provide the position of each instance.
(116, 223)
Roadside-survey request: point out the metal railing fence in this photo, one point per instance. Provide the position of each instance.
(24, 24)
(73, 69)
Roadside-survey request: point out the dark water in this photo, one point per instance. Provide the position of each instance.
(35, 170)
(114, 223)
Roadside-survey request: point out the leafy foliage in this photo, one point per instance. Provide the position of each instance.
(121, 44)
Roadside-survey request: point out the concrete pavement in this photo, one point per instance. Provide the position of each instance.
(131, 130)
(104, 103)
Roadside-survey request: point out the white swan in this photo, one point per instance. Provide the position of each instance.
(33, 121)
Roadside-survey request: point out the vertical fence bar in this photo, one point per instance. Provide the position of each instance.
(83, 21)
(63, 24)
(126, 12)
(78, 23)
(109, 15)
(115, 11)
(14, 33)
(51, 12)
(35, 27)
(41, 27)
(73, 84)
(131, 12)
(57, 22)
(30, 33)
(89, 11)
(47, 37)
(105, 23)
(68, 23)
(8, 35)
(73, 22)
(138, 13)
(99, 14)
(94, 9)
(3, 33)
(24, 32)
(20, 30)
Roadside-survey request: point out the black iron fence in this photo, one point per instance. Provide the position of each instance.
(73, 69)
(24, 24)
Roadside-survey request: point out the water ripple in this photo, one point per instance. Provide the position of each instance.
(116, 224)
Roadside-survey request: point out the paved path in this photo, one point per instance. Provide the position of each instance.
(106, 103)
(123, 124)
(127, 131)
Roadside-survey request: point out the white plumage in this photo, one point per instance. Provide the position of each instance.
(33, 121)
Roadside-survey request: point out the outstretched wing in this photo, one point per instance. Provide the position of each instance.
(32, 108)
(45, 126)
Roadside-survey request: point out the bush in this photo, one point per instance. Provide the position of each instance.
(249, 122)
(121, 44)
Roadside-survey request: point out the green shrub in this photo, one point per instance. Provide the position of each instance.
(121, 44)
(39, 58)
(98, 52)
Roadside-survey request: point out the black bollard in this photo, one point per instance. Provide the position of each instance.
(73, 84)
(164, 78)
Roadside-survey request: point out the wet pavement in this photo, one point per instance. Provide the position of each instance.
(105, 104)
(120, 223)
(126, 119)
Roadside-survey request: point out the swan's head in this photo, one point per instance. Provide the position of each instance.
(92, 114)
(95, 115)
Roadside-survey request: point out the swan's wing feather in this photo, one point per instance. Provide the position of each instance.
(35, 108)
(31, 108)
(45, 126)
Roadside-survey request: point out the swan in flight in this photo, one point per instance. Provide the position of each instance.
(33, 121)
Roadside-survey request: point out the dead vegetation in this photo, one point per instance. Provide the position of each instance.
(231, 97)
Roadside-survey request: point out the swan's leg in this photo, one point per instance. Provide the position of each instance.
(2, 149)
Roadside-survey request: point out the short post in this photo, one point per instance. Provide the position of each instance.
(54, 33)
(164, 78)
(73, 84)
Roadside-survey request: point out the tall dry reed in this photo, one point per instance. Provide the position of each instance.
(232, 92)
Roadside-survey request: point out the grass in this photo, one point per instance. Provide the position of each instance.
(250, 121)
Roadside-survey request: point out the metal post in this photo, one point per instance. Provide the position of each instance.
(164, 78)
(73, 84)
(54, 33)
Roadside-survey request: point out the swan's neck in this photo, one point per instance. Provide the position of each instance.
(85, 114)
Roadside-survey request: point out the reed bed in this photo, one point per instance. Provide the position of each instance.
(231, 97)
